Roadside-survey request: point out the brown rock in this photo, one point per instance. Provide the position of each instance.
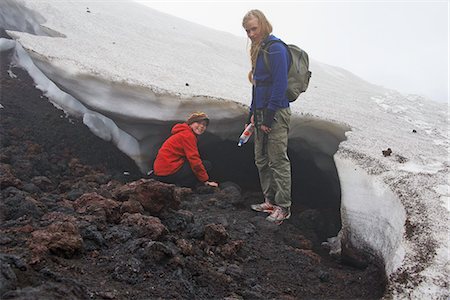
(105, 210)
(43, 183)
(176, 262)
(298, 241)
(216, 234)
(131, 206)
(33, 148)
(65, 186)
(230, 249)
(147, 226)
(185, 247)
(305, 244)
(153, 195)
(310, 254)
(66, 203)
(56, 216)
(60, 238)
(78, 169)
(7, 177)
(23, 229)
(181, 193)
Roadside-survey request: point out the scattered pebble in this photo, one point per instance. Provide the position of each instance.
(387, 152)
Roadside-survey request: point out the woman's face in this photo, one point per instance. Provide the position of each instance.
(253, 30)
(199, 127)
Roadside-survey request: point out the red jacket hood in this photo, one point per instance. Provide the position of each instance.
(180, 127)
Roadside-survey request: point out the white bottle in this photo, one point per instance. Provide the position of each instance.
(246, 134)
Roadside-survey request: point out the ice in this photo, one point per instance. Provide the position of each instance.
(374, 216)
(6, 44)
(11, 74)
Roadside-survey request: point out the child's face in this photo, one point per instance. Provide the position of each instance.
(199, 127)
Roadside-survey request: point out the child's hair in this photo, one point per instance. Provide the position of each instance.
(198, 116)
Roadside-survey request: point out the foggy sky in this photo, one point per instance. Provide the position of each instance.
(398, 45)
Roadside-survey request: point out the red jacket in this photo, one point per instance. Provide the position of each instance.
(181, 145)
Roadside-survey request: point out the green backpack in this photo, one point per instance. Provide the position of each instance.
(298, 73)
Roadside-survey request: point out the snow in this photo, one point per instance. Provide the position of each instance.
(6, 45)
(430, 168)
(128, 71)
(371, 206)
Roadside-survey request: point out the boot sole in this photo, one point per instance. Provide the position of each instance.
(261, 210)
(276, 221)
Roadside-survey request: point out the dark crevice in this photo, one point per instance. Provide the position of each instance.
(315, 182)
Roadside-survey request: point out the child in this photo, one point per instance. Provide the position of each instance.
(178, 160)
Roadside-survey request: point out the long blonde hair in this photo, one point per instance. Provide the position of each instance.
(266, 29)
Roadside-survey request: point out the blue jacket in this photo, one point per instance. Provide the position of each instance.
(270, 90)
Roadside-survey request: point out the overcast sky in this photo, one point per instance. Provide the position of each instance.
(397, 44)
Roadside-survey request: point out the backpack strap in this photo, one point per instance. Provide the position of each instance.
(265, 50)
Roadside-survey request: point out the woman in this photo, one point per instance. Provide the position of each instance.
(270, 113)
(178, 160)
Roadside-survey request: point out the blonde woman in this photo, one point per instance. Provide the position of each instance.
(270, 113)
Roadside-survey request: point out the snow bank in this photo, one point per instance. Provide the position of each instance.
(374, 216)
(131, 77)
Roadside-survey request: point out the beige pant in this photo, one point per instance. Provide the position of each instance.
(272, 160)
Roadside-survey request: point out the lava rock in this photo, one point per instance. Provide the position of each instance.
(30, 188)
(7, 177)
(8, 278)
(51, 290)
(17, 204)
(178, 220)
(118, 234)
(298, 241)
(128, 270)
(185, 247)
(61, 239)
(387, 152)
(43, 183)
(132, 207)
(230, 249)
(216, 234)
(103, 209)
(196, 231)
(324, 276)
(92, 238)
(74, 194)
(230, 193)
(147, 226)
(153, 195)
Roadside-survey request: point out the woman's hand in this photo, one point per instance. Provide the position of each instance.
(252, 121)
(211, 183)
(266, 129)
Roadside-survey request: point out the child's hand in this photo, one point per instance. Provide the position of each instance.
(211, 183)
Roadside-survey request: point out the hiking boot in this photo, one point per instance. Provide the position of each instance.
(279, 214)
(266, 206)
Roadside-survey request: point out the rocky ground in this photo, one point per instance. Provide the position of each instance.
(73, 226)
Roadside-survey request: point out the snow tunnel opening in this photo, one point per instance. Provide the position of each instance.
(315, 180)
